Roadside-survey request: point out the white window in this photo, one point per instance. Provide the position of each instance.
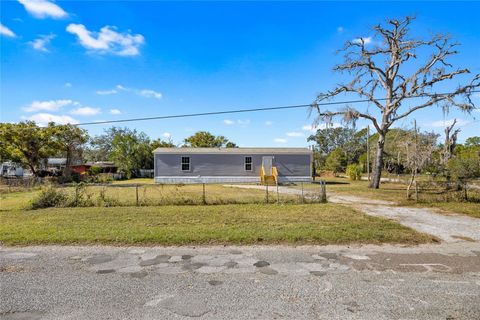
(248, 163)
(185, 163)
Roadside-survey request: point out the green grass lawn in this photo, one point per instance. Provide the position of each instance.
(220, 224)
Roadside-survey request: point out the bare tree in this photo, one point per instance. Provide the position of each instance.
(419, 149)
(450, 141)
(387, 72)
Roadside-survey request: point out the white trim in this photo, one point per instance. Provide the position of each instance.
(224, 179)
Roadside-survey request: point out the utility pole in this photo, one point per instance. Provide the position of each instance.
(368, 152)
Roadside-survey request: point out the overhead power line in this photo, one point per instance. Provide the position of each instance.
(212, 113)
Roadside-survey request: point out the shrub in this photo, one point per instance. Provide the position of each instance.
(94, 170)
(336, 161)
(49, 196)
(80, 197)
(354, 171)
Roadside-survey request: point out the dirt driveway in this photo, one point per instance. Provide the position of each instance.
(449, 228)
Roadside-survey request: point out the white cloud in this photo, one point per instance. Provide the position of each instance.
(268, 123)
(243, 122)
(106, 92)
(366, 40)
(43, 9)
(239, 122)
(445, 123)
(340, 29)
(295, 134)
(150, 94)
(52, 105)
(4, 31)
(85, 111)
(107, 40)
(280, 140)
(313, 128)
(115, 111)
(147, 93)
(167, 135)
(44, 118)
(41, 43)
(67, 85)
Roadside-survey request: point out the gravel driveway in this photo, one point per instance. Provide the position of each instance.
(449, 228)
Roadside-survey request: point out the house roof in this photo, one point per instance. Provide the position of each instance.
(234, 150)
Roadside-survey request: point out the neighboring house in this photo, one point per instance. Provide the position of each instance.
(231, 165)
(105, 167)
(54, 165)
(11, 169)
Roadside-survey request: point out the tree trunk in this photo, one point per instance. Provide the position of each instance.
(377, 168)
(32, 168)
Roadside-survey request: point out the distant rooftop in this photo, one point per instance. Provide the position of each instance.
(234, 150)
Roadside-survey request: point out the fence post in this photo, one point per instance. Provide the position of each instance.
(136, 194)
(266, 190)
(278, 195)
(323, 191)
(303, 199)
(204, 198)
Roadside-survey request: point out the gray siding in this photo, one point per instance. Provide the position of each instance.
(169, 164)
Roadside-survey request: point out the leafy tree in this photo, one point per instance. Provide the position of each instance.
(396, 68)
(159, 143)
(131, 151)
(27, 143)
(204, 139)
(350, 141)
(69, 142)
(472, 142)
(100, 147)
(465, 164)
(336, 161)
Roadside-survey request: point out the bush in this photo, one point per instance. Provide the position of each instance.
(354, 171)
(49, 196)
(336, 161)
(94, 170)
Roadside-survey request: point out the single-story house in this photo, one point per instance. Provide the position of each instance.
(232, 165)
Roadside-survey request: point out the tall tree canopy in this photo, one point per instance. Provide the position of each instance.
(129, 149)
(204, 139)
(392, 68)
(347, 140)
(27, 143)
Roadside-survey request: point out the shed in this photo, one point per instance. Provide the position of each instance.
(232, 165)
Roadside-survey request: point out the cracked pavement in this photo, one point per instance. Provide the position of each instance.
(256, 282)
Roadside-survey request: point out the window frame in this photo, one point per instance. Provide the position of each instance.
(245, 163)
(185, 163)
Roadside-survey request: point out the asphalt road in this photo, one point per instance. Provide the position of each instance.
(271, 282)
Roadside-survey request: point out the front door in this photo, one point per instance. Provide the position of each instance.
(267, 163)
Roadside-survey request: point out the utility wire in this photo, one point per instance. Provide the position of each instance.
(189, 115)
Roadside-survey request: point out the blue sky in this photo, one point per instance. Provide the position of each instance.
(83, 61)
